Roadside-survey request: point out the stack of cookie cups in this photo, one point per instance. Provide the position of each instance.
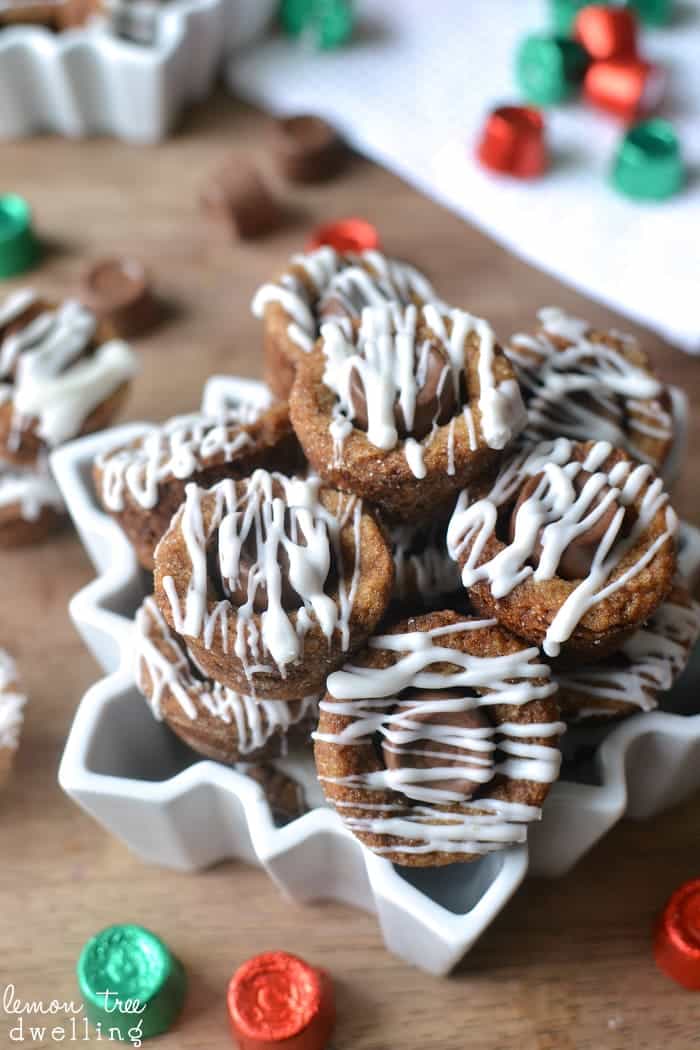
(416, 557)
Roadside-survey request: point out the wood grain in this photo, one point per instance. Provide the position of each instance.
(569, 963)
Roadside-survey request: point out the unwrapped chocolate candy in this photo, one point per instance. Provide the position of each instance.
(237, 197)
(307, 148)
(119, 290)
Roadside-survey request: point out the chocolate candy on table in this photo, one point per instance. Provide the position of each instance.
(677, 936)
(19, 248)
(145, 982)
(327, 23)
(607, 32)
(237, 198)
(307, 148)
(513, 142)
(549, 68)
(626, 87)
(648, 165)
(119, 290)
(277, 999)
(346, 235)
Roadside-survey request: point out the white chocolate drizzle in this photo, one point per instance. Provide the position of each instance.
(586, 389)
(648, 663)
(49, 373)
(562, 515)
(279, 514)
(370, 276)
(11, 703)
(370, 699)
(391, 361)
(255, 721)
(32, 489)
(178, 448)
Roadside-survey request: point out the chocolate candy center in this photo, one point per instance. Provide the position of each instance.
(429, 751)
(577, 558)
(117, 280)
(435, 401)
(251, 578)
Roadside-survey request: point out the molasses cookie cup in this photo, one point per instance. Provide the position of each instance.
(438, 743)
(412, 405)
(142, 484)
(212, 719)
(572, 547)
(646, 665)
(322, 285)
(62, 375)
(579, 382)
(272, 581)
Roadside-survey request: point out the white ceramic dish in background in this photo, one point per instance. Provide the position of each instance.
(86, 81)
(136, 779)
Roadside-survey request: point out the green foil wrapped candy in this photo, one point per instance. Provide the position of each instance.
(19, 249)
(327, 23)
(648, 165)
(295, 15)
(549, 68)
(130, 982)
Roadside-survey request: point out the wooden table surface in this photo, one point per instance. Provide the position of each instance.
(568, 964)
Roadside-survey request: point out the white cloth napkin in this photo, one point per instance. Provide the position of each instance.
(412, 92)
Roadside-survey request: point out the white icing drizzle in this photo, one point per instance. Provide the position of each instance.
(391, 361)
(471, 429)
(563, 514)
(279, 514)
(422, 563)
(388, 283)
(12, 309)
(32, 489)
(415, 452)
(255, 721)
(370, 699)
(501, 409)
(587, 389)
(176, 449)
(562, 325)
(348, 278)
(11, 703)
(48, 374)
(648, 663)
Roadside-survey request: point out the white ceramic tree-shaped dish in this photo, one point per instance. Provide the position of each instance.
(137, 780)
